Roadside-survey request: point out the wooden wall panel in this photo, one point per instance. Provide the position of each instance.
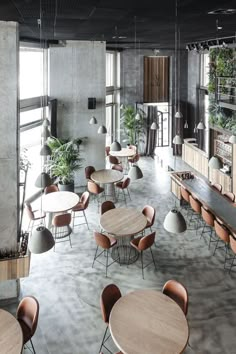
(156, 79)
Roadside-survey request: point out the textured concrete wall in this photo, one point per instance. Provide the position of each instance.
(77, 71)
(8, 144)
(193, 85)
(132, 78)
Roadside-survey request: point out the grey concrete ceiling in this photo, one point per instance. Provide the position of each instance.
(115, 21)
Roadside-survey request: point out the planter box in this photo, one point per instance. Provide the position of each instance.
(14, 268)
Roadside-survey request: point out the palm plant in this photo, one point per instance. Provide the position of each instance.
(133, 127)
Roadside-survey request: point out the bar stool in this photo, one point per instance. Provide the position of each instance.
(232, 242)
(230, 196)
(185, 196)
(217, 186)
(208, 226)
(196, 211)
(223, 233)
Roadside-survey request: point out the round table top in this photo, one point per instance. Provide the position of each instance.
(123, 221)
(124, 152)
(11, 336)
(147, 321)
(58, 202)
(106, 176)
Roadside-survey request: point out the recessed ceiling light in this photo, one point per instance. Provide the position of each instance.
(222, 12)
(122, 37)
(219, 27)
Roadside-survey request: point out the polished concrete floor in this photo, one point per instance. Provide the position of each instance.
(68, 288)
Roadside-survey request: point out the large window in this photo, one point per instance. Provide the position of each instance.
(204, 79)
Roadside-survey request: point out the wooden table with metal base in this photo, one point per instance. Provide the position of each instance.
(11, 336)
(148, 322)
(123, 155)
(123, 223)
(107, 177)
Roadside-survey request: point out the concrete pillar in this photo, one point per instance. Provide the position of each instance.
(9, 53)
(78, 71)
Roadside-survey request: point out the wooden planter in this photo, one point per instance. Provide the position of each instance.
(14, 268)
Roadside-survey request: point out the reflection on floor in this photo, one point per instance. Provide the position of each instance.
(68, 289)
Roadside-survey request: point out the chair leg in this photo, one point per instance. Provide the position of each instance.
(32, 346)
(153, 258)
(106, 263)
(232, 263)
(128, 193)
(95, 256)
(103, 341)
(142, 263)
(216, 247)
(86, 219)
(124, 196)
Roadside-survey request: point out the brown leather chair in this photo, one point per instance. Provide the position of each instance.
(141, 244)
(149, 212)
(134, 159)
(35, 216)
(185, 199)
(196, 211)
(177, 292)
(88, 171)
(217, 186)
(232, 241)
(113, 160)
(107, 150)
(107, 205)
(81, 207)
(95, 190)
(223, 238)
(122, 186)
(230, 196)
(105, 243)
(117, 168)
(208, 227)
(27, 315)
(50, 189)
(109, 296)
(61, 228)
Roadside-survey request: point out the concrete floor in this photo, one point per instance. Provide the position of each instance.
(68, 288)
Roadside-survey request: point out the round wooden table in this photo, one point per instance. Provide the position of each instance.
(11, 336)
(57, 202)
(123, 223)
(147, 321)
(123, 154)
(107, 176)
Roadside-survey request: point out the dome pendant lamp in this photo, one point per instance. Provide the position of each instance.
(115, 146)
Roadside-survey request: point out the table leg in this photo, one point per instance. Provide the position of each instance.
(123, 249)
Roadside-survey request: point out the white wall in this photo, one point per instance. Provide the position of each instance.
(77, 71)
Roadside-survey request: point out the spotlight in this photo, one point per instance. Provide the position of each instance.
(224, 45)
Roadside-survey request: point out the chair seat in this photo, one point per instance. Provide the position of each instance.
(119, 184)
(149, 224)
(112, 240)
(134, 243)
(39, 215)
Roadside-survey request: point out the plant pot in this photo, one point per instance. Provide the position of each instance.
(66, 187)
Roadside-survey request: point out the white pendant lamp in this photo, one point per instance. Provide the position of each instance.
(102, 129)
(45, 150)
(178, 114)
(177, 140)
(115, 146)
(45, 133)
(93, 120)
(215, 163)
(201, 126)
(232, 139)
(174, 222)
(195, 129)
(46, 123)
(154, 126)
(41, 240)
(186, 125)
(43, 180)
(137, 116)
(135, 173)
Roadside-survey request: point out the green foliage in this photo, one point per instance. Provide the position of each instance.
(65, 158)
(222, 117)
(133, 127)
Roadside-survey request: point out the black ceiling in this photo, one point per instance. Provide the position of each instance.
(105, 19)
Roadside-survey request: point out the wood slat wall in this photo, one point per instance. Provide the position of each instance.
(156, 79)
(14, 268)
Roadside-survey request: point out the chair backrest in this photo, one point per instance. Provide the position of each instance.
(117, 168)
(133, 147)
(107, 150)
(195, 204)
(102, 240)
(113, 160)
(150, 214)
(93, 187)
(232, 241)
(88, 171)
(28, 313)
(207, 216)
(61, 220)
(109, 296)
(177, 292)
(126, 183)
(146, 241)
(50, 189)
(185, 194)
(29, 211)
(230, 196)
(107, 205)
(84, 199)
(135, 158)
(217, 186)
(221, 231)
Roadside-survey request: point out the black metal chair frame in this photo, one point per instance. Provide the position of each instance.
(104, 339)
(124, 194)
(224, 246)
(210, 231)
(79, 216)
(106, 254)
(64, 231)
(141, 257)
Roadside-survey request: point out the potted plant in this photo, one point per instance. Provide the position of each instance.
(133, 123)
(65, 160)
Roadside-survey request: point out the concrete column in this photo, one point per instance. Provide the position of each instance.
(9, 53)
(78, 71)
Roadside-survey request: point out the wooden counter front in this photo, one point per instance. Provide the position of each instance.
(195, 157)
